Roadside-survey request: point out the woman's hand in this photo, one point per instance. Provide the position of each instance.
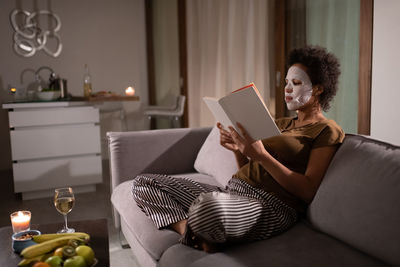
(247, 145)
(226, 139)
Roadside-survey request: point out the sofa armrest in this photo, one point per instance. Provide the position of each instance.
(167, 151)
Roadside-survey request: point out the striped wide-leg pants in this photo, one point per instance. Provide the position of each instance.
(238, 213)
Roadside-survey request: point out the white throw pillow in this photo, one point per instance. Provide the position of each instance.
(214, 160)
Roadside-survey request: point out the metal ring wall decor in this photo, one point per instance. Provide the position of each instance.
(30, 38)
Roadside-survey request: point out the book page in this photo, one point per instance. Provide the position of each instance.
(217, 111)
(246, 107)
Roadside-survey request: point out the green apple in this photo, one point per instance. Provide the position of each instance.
(54, 261)
(86, 252)
(75, 261)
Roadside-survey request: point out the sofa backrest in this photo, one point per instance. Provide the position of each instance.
(358, 201)
(166, 151)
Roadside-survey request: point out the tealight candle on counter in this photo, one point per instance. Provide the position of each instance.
(20, 221)
(130, 91)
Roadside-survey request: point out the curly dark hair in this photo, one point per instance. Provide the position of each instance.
(322, 67)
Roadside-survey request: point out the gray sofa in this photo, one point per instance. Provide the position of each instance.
(354, 219)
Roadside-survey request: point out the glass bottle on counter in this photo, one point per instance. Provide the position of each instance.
(87, 83)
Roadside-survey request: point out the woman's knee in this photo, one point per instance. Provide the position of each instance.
(207, 209)
(140, 185)
(137, 182)
(206, 217)
(143, 180)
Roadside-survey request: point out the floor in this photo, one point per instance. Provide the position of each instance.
(87, 206)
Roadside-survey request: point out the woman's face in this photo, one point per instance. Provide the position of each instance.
(298, 89)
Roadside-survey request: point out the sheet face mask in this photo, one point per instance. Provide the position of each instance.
(301, 93)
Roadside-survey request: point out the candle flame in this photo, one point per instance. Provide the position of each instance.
(130, 91)
(20, 214)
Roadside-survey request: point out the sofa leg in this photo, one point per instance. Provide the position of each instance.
(122, 240)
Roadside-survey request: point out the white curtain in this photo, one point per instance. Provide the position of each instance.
(335, 25)
(229, 46)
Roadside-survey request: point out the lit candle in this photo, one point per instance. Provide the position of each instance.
(130, 91)
(21, 221)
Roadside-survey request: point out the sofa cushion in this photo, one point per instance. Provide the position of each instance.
(215, 160)
(299, 246)
(357, 201)
(153, 241)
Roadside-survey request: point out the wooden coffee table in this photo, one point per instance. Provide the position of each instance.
(97, 229)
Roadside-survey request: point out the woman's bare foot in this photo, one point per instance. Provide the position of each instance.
(201, 244)
(209, 248)
(195, 242)
(179, 227)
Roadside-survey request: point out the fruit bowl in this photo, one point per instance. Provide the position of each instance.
(65, 249)
(48, 95)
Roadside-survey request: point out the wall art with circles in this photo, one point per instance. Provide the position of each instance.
(35, 31)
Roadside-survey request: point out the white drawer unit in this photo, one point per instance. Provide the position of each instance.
(57, 141)
(52, 173)
(54, 144)
(53, 116)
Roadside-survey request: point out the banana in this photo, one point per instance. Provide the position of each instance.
(45, 246)
(28, 261)
(46, 237)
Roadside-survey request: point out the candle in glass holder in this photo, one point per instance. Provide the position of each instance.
(21, 221)
(130, 91)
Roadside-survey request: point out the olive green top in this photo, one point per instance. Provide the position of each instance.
(292, 148)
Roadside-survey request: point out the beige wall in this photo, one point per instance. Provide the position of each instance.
(107, 35)
(385, 72)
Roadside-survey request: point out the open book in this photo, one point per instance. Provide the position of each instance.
(245, 106)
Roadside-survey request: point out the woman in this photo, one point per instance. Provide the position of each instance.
(277, 176)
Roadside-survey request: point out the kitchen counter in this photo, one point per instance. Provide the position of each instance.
(38, 104)
(74, 101)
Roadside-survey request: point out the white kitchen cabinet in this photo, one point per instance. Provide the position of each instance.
(54, 144)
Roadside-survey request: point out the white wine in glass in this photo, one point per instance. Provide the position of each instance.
(64, 201)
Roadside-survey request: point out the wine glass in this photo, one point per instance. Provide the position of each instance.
(64, 201)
